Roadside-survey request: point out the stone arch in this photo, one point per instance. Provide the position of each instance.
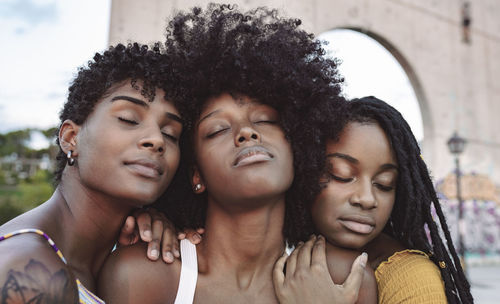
(427, 122)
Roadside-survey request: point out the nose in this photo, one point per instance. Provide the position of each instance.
(246, 134)
(153, 140)
(363, 195)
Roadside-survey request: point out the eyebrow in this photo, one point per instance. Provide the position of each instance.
(389, 167)
(132, 100)
(207, 116)
(145, 105)
(344, 156)
(355, 161)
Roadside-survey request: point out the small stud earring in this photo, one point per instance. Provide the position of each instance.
(71, 160)
(197, 187)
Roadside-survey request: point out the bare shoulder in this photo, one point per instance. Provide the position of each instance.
(31, 272)
(128, 276)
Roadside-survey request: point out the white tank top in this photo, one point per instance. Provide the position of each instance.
(189, 273)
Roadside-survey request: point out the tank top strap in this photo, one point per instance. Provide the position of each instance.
(39, 232)
(189, 273)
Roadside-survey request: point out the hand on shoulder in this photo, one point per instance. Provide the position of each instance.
(307, 277)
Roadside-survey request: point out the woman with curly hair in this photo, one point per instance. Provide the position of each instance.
(246, 79)
(119, 150)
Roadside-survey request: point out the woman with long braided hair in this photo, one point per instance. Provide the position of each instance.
(378, 197)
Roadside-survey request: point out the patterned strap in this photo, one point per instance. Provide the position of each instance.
(85, 295)
(39, 232)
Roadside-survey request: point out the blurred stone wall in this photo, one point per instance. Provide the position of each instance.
(457, 84)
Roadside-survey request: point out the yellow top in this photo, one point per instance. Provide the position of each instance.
(409, 276)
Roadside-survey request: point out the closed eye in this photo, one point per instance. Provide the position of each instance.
(383, 187)
(128, 121)
(271, 122)
(170, 137)
(213, 134)
(341, 179)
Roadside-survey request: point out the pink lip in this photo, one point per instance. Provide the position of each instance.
(251, 155)
(358, 224)
(145, 167)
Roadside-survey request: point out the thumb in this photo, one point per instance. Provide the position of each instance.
(127, 233)
(278, 275)
(355, 278)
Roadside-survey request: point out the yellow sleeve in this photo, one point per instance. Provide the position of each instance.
(409, 277)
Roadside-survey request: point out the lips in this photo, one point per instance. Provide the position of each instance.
(358, 224)
(145, 167)
(252, 155)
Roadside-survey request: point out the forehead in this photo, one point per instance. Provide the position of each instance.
(360, 140)
(226, 101)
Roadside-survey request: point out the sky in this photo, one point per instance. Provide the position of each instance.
(45, 41)
(43, 44)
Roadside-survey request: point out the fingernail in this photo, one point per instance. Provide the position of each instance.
(154, 253)
(147, 234)
(363, 259)
(176, 253)
(197, 237)
(169, 257)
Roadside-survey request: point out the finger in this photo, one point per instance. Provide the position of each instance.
(128, 235)
(144, 223)
(304, 255)
(319, 251)
(169, 244)
(278, 275)
(181, 235)
(200, 231)
(355, 278)
(291, 262)
(154, 244)
(193, 236)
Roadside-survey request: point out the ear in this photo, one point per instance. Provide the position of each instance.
(67, 136)
(196, 180)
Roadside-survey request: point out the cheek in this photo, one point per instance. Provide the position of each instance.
(324, 210)
(386, 204)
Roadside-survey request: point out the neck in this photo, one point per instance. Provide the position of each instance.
(87, 227)
(244, 243)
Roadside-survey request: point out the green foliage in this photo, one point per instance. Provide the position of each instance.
(14, 142)
(25, 196)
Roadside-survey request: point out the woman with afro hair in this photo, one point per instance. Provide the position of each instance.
(119, 150)
(245, 81)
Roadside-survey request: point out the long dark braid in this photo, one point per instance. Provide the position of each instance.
(415, 197)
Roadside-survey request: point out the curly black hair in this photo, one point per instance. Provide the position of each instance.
(269, 59)
(118, 63)
(415, 194)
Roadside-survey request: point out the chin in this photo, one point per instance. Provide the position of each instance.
(350, 242)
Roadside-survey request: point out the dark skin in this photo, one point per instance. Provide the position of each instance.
(244, 163)
(351, 210)
(360, 191)
(126, 154)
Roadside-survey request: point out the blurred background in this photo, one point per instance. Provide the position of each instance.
(436, 61)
